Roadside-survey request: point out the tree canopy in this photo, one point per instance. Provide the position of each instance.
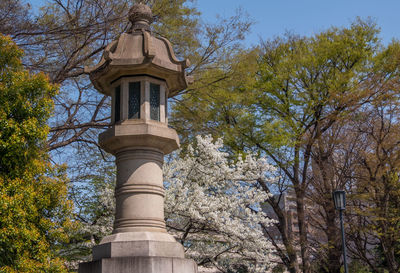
(291, 100)
(322, 109)
(33, 206)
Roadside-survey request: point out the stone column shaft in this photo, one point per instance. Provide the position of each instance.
(139, 191)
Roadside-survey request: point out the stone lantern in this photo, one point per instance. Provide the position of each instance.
(140, 72)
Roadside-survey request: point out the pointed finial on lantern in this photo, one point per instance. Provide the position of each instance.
(140, 16)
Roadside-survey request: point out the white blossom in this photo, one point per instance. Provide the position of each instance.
(213, 206)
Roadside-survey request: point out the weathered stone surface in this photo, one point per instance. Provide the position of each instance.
(139, 265)
(140, 12)
(139, 133)
(138, 248)
(139, 52)
(139, 139)
(138, 236)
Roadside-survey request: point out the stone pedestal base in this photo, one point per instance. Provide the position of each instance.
(138, 249)
(139, 265)
(138, 244)
(139, 252)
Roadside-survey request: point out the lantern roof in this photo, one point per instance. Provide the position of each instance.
(139, 52)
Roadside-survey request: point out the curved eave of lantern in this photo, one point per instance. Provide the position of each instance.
(139, 53)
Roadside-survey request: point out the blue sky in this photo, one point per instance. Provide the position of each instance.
(304, 17)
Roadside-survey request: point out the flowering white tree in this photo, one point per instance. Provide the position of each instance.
(212, 207)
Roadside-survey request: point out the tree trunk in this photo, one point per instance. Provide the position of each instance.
(300, 196)
(334, 252)
(302, 230)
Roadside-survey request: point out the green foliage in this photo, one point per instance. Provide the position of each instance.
(179, 22)
(216, 105)
(299, 82)
(283, 100)
(306, 84)
(376, 189)
(65, 36)
(33, 206)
